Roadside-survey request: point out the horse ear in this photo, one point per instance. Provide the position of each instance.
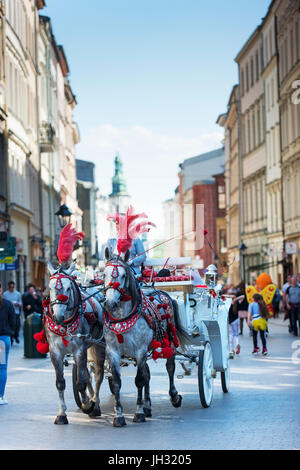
(71, 268)
(50, 268)
(127, 256)
(107, 254)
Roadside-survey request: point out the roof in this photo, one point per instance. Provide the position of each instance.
(85, 171)
(200, 169)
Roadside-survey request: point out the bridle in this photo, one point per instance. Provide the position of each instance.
(63, 300)
(123, 292)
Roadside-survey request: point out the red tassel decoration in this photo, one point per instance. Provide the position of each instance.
(120, 339)
(155, 344)
(62, 298)
(42, 348)
(45, 303)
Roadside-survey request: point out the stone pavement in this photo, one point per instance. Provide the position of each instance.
(261, 411)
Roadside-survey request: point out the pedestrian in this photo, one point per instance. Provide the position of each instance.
(15, 298)
(258, 315)
(293, 304)
(7, 330)
(137, 247)
(242, 307)
(276, 302)
(32, 302)
(233, 320)
(287, 315)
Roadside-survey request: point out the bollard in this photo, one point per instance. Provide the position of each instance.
(33, 324)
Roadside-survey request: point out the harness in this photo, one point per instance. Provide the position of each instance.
(164, 332)
(70, 325)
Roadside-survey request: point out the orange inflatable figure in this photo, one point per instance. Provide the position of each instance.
(265, 288)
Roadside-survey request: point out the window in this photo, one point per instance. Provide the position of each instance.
(242, 83)
(222, 241)
(253, 129)
(252, 71)
(292, 47)
(258, 126)
(221, 197)
(249, 134)
(257, 65)
(247, 77)
(297, 40)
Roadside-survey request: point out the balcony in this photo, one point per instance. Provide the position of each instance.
(47, 138)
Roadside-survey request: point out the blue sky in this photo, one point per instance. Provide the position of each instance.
(151, 77)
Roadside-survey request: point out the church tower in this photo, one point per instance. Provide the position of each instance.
(118, 180)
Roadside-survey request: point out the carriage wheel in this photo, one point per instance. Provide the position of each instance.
(205, 379)
(90, 389)
(225, 378)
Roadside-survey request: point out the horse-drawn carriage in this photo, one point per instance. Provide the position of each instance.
(128, 319)
(201, 323)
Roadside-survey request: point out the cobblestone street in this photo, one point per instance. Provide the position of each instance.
(261, 411)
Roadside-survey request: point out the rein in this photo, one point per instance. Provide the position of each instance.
(78, 302)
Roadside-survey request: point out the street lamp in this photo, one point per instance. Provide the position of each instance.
(242, 248)
(86, 248)
(64, 215)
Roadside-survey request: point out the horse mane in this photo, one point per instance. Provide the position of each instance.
(133, 290)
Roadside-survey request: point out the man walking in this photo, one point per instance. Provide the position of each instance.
(293, 304)
(15, 298)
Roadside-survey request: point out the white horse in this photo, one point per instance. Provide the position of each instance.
(132, 320)
(72, 324)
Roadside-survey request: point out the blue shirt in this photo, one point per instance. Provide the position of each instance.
(254, 310)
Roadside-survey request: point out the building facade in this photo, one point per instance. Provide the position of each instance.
(87, 194)
(229, 121)
(288, 40)
(198, 208)
(37, 139)
(252, 158)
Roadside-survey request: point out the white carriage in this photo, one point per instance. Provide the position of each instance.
(202, 324)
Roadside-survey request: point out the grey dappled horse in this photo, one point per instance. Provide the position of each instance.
(66, 316)
(135, 342)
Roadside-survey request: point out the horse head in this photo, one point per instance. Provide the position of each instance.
(64, 293)
(120, 284)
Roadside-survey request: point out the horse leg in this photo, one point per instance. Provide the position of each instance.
(82, 380)
(99, 374)
(147, 401)
(57, 361)
(175, 397)
(114, 361)
(142, 380)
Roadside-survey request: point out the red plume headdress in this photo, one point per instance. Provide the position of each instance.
(67, 240)
(131, 227)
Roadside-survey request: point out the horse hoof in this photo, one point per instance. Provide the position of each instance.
(88, 408)
(147, 412)
(119, 422)
(61, 420)
(139, 418)
(96, 412)
(176, 401)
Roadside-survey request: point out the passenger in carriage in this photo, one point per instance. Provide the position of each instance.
(136, 249)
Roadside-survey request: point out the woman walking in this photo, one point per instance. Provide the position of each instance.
(257, 318)
(242, 307)
(7, 329)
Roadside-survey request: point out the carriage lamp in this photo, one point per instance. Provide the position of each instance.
(64, 215)
(211, 276)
